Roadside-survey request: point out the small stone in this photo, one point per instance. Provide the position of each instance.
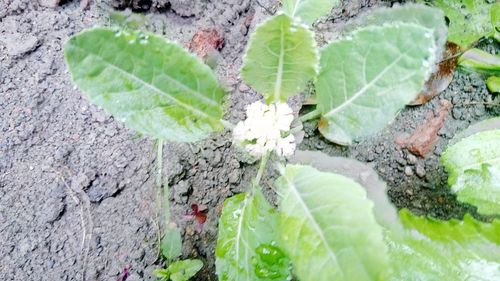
(243, 87)
(408, 171)
(412, 159)
(420, 171)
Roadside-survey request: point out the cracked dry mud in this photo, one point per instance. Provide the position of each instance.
(77, 196)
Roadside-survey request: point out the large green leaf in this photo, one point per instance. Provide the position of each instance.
(328, 228)
(473, 165)
(281, 58)
(364, 174)
(423, 15)
(153, 85)
(469, 19)
(445, 250)
(366, 79)
(308, 10)
(247, 246)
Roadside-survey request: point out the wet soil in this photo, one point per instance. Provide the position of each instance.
(77, 191)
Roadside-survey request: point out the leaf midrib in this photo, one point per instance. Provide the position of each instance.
(313, 221)
(354, 97)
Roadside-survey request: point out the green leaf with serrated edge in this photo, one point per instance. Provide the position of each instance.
(469, 19)
(367, 78)
(247, 244)
(308, 10)
(434, 250)
(493, 84)
(281, 58)
(328, 228)
(184, 269)
(425, 16)
(151, 84)
(171, 244)
(473, 165)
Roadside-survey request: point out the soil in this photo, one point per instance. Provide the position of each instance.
(77, 188)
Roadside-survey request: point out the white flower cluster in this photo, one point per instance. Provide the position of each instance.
(266, 129)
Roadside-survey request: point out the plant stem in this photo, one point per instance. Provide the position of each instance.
(311, 115)
(262, 168)
(160, 185)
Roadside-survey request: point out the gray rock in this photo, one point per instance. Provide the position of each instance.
(420, 171)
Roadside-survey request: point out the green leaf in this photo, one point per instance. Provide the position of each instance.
(495, 20)
(493, 84)
(469, 19)
(445, 250)
(473, 165)
(308, 10)
(477, 60)
(184, 269)
(281, 58)
(366, 79)
(247, 246)
(425, 16)
(171, 244)
(151, 84)
(384, 211)
(328, 228)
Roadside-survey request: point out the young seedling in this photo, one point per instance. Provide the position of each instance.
(325, 226)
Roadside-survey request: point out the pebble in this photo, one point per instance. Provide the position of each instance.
(408, 171)
(243, 87)
(420, 171)
(412, 159)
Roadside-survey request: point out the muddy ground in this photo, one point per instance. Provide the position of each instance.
(77, 196)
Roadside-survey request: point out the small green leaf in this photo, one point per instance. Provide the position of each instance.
(247, 246)
(171, 244)
(184, 269)
(469, 19)
(493, 84)
(445, 250)
(308, 10)
(328, 228)
(479, 61)
(151, 84)
(473, 165)
(281, 58)
(366, 79)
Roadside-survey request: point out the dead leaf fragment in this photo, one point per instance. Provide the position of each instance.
(440, 79)
(425, 136)
(205, 42)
